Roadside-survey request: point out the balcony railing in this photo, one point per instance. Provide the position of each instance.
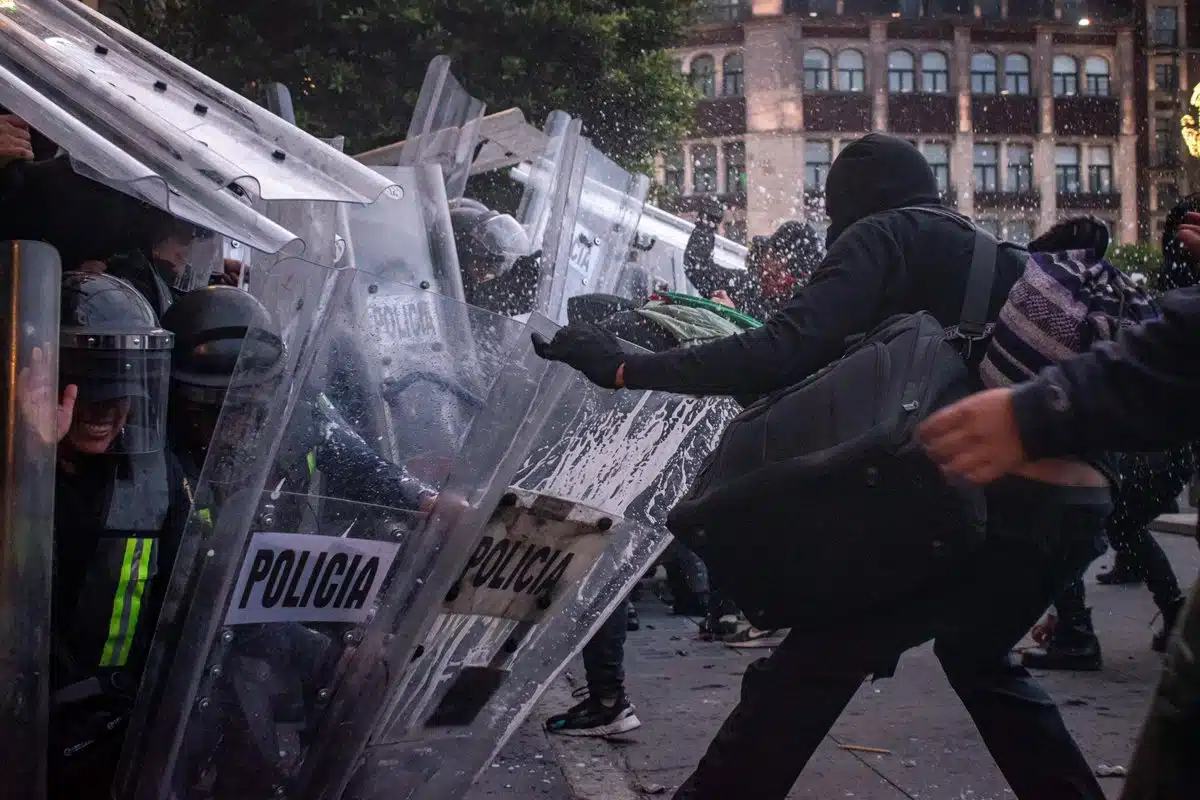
(717, 11)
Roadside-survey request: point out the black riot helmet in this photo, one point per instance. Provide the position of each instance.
(112, 348)
(212, 325)
(487, 241)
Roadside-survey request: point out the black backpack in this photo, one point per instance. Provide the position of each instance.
(819, 501)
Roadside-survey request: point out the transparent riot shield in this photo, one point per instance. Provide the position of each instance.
(553, 182)
(610, 204)
(659, 245)
(444, 130)
(29, 283)
(579, 524)
(406, 236)
(251, 665)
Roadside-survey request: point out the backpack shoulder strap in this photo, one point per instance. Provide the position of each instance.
(972, 320)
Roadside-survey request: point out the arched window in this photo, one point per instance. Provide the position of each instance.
(817, 70)
(902, 72)
(983, 73)
(1066, 76)
(935, 73)
(1016, 74)
(731, 81)
(704, 75)
(1095, 70)
(852, 71)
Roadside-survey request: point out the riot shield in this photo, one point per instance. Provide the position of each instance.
(610, 204)
(407, 237)
(660, 243)
(580, 523)
(138, 120)
(29, 280)
(314, 547)
(444, 130)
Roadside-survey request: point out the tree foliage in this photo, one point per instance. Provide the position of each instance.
(1135, 260)
(355, 66)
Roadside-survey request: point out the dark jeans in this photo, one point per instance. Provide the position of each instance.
(1040, 537)
(604, 654)
(1143, 496)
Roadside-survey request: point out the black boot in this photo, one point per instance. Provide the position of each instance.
(1170, 615)
(1073, 646)
(1120, 574)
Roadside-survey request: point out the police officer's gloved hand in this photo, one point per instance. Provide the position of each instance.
(591, 350)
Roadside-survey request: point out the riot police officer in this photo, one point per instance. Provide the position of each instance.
(121, 503)
(499, 270)
(215, 324)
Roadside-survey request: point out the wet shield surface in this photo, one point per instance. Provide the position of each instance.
(29, 275)
(581, 521)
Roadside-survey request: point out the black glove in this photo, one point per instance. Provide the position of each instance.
(591, 350)
(1078, 233)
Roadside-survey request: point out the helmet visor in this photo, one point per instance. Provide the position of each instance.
(203, 258)
(503, 239)
(121, 405)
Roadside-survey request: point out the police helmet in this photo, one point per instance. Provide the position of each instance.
(112, 348)
(212, 327)
(487, 241)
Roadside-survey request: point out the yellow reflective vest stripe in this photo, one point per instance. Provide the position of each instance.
(127, 602)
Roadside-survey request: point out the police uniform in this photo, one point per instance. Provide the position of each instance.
(119, 516)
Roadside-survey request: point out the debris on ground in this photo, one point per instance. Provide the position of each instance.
(1105, 771)
(855, 748)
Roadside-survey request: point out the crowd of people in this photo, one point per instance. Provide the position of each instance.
(1088, 452)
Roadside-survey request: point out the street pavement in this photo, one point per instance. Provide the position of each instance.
(683, 688)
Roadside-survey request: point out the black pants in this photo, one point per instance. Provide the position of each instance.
(1040, 538)
(604, 654)
(1148, 485)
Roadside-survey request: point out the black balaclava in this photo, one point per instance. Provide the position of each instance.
(872, 174)
(1179, 267)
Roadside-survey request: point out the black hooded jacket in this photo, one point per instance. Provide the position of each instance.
(880, 261)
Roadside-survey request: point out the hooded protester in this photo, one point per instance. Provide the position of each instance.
(775, 265)
(891, 250)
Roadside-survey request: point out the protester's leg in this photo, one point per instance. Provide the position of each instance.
(789, 702)
(1040, 538)
(1073, 644)
(605, 710)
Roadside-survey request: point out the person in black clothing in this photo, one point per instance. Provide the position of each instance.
(121, 505)
(885, 255)
(774, 267)
(1139, 393)
(1149, 482)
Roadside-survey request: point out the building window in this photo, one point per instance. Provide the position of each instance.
(1100, 170)
(816, 70)
(935, 73)
(1165, 30)
(851, 71)
(735, 168)
(721, 10)
(1066, 169)
(1166, 146)
(1095, 71)
(735, 230)
(938, 156)
(902, 72)
(1066, 76)
(704, 169)
(992, 226)
(704, 75)
(1020, 168)
(989, 9)
(818, 155)
(1167, 195)
(731, 82)
(1166, 77)
(1020, 231)
(1016, 74)
(909, 9)
(983, 73)
(673, 171)
(987, 167)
